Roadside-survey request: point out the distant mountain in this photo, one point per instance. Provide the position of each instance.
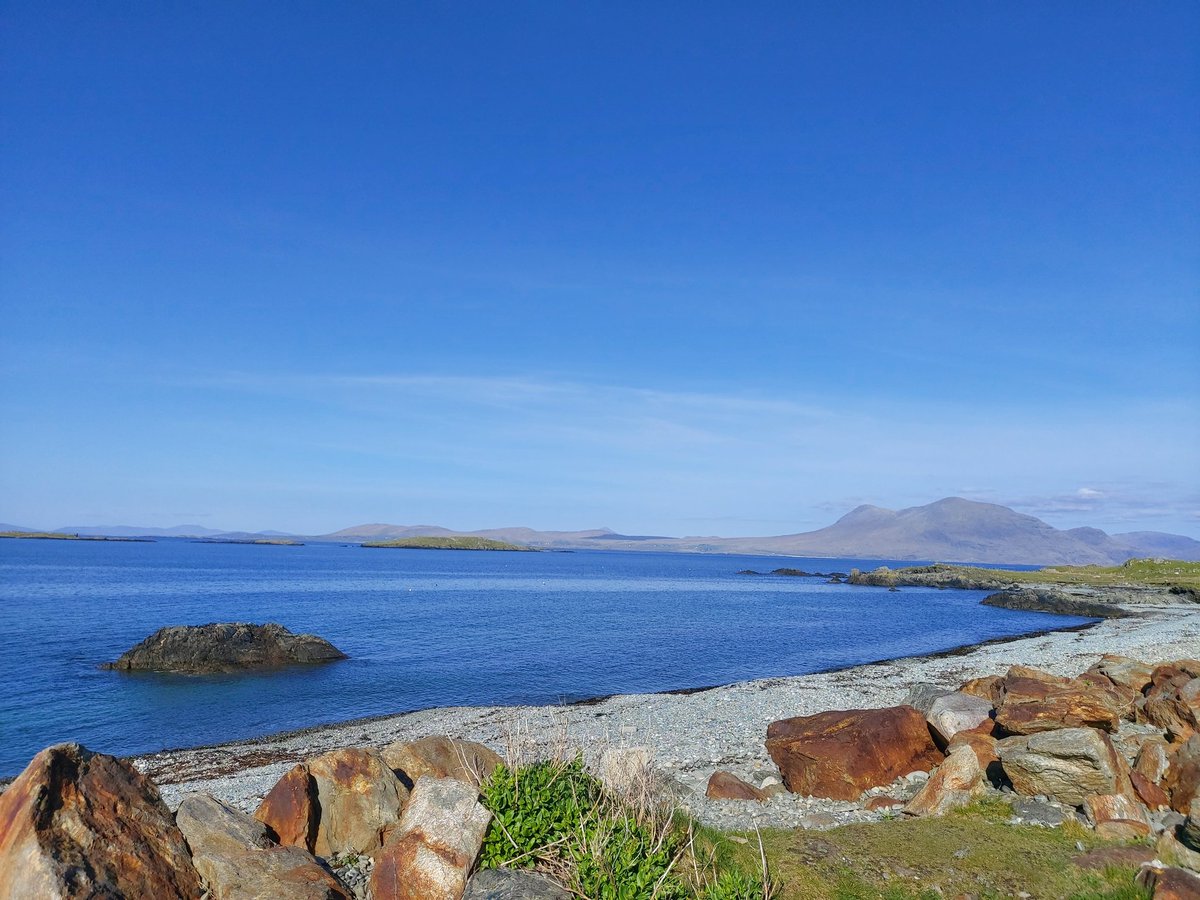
(949, 530)
(4, 527)
(139, 531)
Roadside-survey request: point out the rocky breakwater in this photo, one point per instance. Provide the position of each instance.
(224, 647)
(1116, 748)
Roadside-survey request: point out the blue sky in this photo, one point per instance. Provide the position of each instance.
(675, 268)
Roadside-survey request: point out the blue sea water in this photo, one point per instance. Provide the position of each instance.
(424, 628)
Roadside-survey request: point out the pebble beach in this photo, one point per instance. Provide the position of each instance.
(687, 736)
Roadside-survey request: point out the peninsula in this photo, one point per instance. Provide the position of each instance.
(446, 543)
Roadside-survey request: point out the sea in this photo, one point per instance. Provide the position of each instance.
(426, 628)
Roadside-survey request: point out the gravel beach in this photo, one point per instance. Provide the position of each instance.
(689, 735)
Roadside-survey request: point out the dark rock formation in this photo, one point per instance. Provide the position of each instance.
(1053, 602)
(224, 647)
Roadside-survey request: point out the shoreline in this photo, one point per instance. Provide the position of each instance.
(689, 732)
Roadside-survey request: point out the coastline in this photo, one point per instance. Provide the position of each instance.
(691, 732)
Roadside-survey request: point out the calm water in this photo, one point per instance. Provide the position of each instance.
(423, 628)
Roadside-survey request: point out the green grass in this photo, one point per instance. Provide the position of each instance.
(970, 852)
(447, 543)
(40, 535)
(1164, 573)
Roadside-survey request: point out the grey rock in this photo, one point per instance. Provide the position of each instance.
(1029, 811)
(224, 647)
(922, 695)
(956, 712)
(507, 884)
(1067, 764)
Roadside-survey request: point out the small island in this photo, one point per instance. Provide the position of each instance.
(448, 543)
(60, 536)
(224, 647)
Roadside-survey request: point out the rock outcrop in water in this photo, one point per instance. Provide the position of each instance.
(224, 647)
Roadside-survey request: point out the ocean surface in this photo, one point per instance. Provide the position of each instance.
(425, 628)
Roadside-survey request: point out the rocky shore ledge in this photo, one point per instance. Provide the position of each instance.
(1095, 728)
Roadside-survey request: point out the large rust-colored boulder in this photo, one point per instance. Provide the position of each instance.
(441, 757)
(430, 855)
(1067, 765)
(1124, 671)
(1116, 817)
(956, 782)
(77, 824)
(1148, 792)
(1169, 882)
(988, 688)
(224, 647)
(727, 786)
(1033, 674)
(839, 754)
(360, 800)
(1030, 705)
(238, 860)
(1174, 705)
(1154, 758)
(1182, 781)
(290, 809)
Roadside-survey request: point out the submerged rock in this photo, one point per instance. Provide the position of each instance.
(224, 647)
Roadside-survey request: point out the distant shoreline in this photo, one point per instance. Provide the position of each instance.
(55, 536)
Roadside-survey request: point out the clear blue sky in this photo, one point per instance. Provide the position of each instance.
(715, 268)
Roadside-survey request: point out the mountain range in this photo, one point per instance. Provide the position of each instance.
(948, 530)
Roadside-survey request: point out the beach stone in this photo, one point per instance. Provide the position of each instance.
(727, 786)
(1174, 705)
(1182, 781)
(883, 801)
(224, 647)
(956, 782)
(509, 884)
(1116, 817)
(1153, 759)
(982, 743)
(1148, 792)
(360, 800)
(840, 753)
(1029, 706)
(923, 694)
(441, 756)
(290, 809)
(1067, 765)
(237, 859)
(77, 824)
(952, 713)
(1169, 882)
(1124, 671)
(1040, 812)
(430, 854)
(988, 688)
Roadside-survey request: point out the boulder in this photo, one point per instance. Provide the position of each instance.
(224, 647)
(1126, 672)
(238, 860)
(1189, 831)
(1182, 781)
(1153, 759)
(510, 884)
(923, 694)
(839, 754)
(290, 809)
(727, 786)
(883, 801)
(982, 744)
(1033, 674)
(360, 800)
(432, 851)
(625, 769)
(441, 757)
(77, 824)
(956, 782)
(949, 715)
(1172, 851)
(1169, 882)
(1174, 705)
(987, 687)
(1116, 817)
(1148, 792)
(1067, 765)
(1030, 705)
